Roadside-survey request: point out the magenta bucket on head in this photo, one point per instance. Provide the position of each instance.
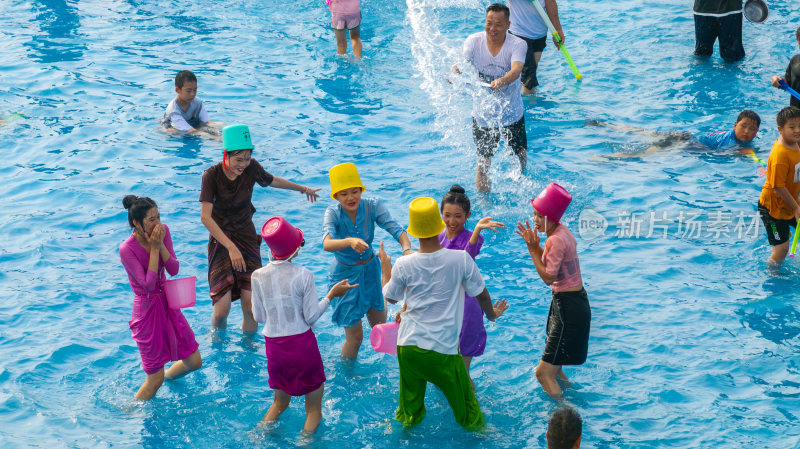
(383, 337)
(282, 238)
(552, 202)
(181, 292)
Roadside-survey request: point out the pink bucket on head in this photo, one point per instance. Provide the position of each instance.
(181, 292)
(552, 202)
(383, 337)
(282, 238)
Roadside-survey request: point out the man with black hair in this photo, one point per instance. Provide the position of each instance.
(498, 58)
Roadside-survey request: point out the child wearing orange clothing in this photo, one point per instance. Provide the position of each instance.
(777, 203)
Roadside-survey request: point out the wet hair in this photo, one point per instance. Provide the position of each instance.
(137, 207)
(564, 428)
(456, 195)
(786, 114)
(797, 34)
(234, 153)
(499, 7)
(184, 76)
(747, 113)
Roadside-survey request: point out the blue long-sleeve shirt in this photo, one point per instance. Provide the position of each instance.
(371, 212)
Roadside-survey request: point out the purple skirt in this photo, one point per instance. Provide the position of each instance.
(294, 364)
(473, 333)
(162, 334)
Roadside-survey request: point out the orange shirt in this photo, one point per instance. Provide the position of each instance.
(783, 170)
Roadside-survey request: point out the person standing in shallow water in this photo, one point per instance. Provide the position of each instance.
(718, 19)
(529, 26)
(570, 317)
(226, 210)
(433, 282)
(348, 230)
(498, 58)
(162, 334)
(455, 212)
(346, 17)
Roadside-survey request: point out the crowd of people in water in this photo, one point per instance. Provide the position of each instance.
(444, 297)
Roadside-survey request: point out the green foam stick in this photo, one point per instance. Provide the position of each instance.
(794, 242)
(561, 46)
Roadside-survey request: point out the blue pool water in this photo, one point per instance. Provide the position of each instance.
(694, 343)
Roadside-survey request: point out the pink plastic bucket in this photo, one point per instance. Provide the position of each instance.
(180, 292)
(552, 202)
(282, 238)
(383, 337)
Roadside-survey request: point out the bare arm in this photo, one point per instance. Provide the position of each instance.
(204, 133)
(492, 312)
(787, 198)
(404, 241)
(484, 223)
(509, 77)
(208, 221)
(397, 316)
(386, 270)
(532, 240)
(280, 183)
(212, 226)
(331, 244)
(551, 8)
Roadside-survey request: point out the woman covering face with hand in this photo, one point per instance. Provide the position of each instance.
(162, 334)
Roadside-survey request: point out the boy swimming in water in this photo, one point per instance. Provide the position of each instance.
(737, 139)
(186, 113)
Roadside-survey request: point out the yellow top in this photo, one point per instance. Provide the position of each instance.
(783, 170)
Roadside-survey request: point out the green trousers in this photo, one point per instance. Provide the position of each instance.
(446, 371)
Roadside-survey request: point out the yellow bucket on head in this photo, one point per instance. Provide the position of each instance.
(343, 177)
(424, 219)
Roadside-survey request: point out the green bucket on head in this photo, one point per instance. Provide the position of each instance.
(235, 138)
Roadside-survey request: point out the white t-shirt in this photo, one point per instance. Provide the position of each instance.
(525, 19)
(191, 118)
(285, 299)
(503, 107)
(436, 283)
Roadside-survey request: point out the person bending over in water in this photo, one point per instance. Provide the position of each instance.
(739, 139)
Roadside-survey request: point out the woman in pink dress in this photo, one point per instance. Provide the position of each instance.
(161, 333)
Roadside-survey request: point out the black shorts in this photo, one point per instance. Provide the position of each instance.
(729, 31)
(777, 229)
(568, 329)
(487, 139)
(528, 76)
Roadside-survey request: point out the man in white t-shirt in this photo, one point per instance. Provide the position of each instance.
(498, 58)
(186, 113)
(527, 24)
(434, 281)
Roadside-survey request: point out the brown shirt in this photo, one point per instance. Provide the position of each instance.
(233, 207)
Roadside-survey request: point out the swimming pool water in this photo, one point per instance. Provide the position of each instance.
(694, 343)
